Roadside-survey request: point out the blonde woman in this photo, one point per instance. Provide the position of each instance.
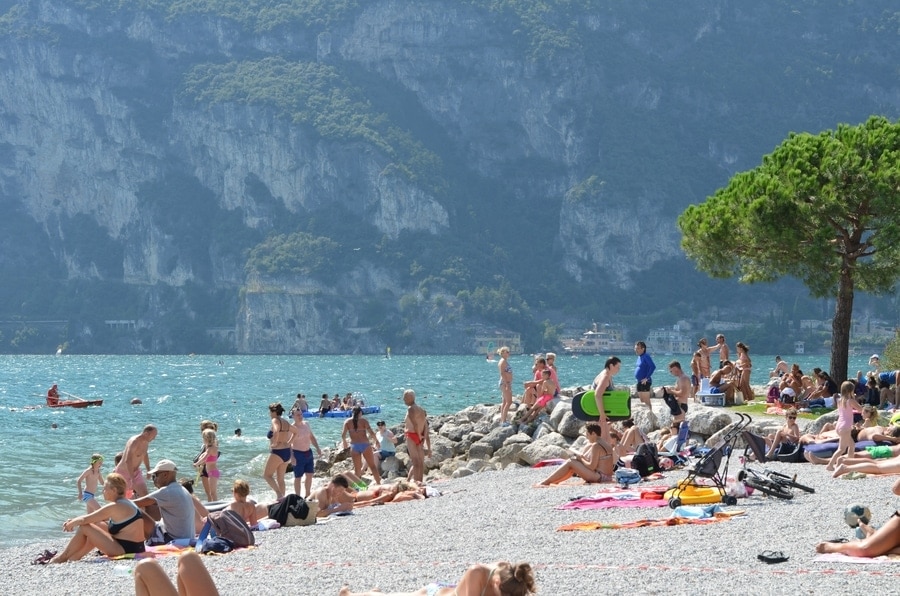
(208, 460)
(506, 377)
(100, 530)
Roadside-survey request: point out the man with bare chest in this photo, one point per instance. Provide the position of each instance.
(130, 467)
(418, 441)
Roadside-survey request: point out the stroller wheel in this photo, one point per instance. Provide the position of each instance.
(741, 475)
(674, 502)
(729, 500)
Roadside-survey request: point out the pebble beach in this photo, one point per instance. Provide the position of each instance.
(501, 515)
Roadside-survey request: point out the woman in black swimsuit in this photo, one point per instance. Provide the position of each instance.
(113, 538)
(281, 434)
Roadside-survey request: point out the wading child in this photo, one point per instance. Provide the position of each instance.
(92, 478)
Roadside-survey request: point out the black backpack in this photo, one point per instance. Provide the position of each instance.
(645, 459)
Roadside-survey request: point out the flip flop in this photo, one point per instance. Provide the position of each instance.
(44, 557)
(772, 556)
(838, 540)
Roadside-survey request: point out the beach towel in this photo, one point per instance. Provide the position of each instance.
(548, 462)
(840, 558)
(618, 497)
(642, 523)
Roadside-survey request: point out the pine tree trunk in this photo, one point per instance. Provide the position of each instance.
(840, 326)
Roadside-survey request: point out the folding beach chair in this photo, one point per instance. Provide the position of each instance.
(684, 432)
(755, 444)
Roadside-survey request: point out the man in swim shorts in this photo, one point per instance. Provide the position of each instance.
(130, 465)
(418, 441)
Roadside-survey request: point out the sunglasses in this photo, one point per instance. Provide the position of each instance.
(791, 417)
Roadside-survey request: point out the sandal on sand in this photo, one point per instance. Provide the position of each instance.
(772, 556)
(44, 557)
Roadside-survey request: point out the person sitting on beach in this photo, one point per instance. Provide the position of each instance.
(335, 497)
(883, 541)
(193, 579)
(546, 388)
(240, 505)
(92, 477)
(499, 579)
(595, 463)
(787, 434)
(632, 436)
(170, 506)
(53, 395)
(112, 528)
(720, 381)
(387, 441)
(781, 368)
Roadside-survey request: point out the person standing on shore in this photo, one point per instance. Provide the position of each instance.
(604, 382)
(280, 435)
(643, 371)
(301, 446)
(506, 376)
(92, 478)
(418, 440)
(134, 454)
(743, 366)
(722, 347)
(359, 431)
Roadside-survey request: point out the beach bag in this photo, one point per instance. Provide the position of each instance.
(773, 395)
(231, 526)
(303, 513)
(215, 544)
(293, 510)
(790, 453)
(645, 459)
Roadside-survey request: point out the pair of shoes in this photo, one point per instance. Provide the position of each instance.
(44, 557)
(772, 556)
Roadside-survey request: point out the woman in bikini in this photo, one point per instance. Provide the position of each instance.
(207, 460)
(359, 430)
(604, 382)
(594, 464)
(99, 530)
(280, 436)
(199, 460)
(743, 366)
(505, 383)
(499, 579)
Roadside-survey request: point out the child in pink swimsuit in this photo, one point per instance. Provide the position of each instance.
(846, 405)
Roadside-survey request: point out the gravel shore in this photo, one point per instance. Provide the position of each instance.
(499, 515)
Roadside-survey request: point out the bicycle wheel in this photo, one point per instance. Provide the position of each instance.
(788, 481)
(769, 487)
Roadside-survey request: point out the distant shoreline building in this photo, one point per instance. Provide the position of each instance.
(602, 339)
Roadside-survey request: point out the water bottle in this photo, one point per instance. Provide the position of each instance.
(122, 570)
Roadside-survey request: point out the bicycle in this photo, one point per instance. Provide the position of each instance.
(789, 481)
(764, 483)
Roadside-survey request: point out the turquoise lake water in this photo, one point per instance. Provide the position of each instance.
(41, 465)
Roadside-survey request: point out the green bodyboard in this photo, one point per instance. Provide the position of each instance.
(616, 405)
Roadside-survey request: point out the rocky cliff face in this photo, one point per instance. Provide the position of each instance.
(604, 139)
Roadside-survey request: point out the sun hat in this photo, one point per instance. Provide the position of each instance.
(874, 357)
(164, 465)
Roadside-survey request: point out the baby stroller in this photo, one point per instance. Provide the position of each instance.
(690, 492)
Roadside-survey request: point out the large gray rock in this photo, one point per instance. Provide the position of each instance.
(497, 436)
(559, 411)
(509, 454)
(554, 439)
(816, 425)
(569, 426)
(441, 450)
(481, 450)
(455, 431)
(462, 472)
(704, 420)
(519, 437)
(539, 451)
(645, 418)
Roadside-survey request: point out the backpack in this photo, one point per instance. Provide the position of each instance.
(229, 525)
(645, 459)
